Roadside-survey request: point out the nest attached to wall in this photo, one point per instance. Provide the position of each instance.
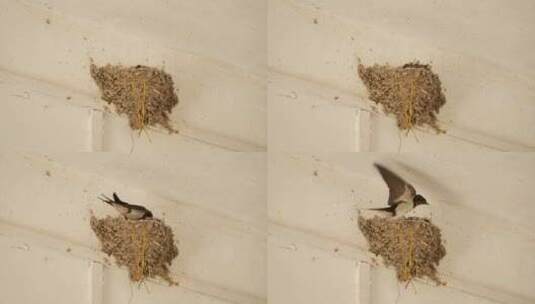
(146, 95)
(413, 246)
(412, 92)
(145, 247)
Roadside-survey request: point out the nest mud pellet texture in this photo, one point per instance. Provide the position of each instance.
(412, 245)
(145, 247)
(146, 95)
(412, 92)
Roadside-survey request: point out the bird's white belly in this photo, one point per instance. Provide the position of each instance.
(135, 214)
(403, 208)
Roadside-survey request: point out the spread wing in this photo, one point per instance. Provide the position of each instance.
(399, 189)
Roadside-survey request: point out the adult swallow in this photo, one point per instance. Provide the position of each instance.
(129, 211)
(402, 196)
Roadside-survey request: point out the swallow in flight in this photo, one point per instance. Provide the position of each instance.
(402, 195)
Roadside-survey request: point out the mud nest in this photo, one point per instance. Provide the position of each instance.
(146, 95)
(412, 245)
(145, 247)
(412, 92)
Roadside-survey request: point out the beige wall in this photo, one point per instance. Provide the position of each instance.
(317, 104)
(482, 204)
(51, 255)
(481, 50)
(213, 199)
(41, 64)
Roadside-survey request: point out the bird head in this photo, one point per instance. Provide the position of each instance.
(419, 200)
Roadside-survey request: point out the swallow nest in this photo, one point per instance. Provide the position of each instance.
(413, 246)
(146, 95)
(145, 247)
(412, 92)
